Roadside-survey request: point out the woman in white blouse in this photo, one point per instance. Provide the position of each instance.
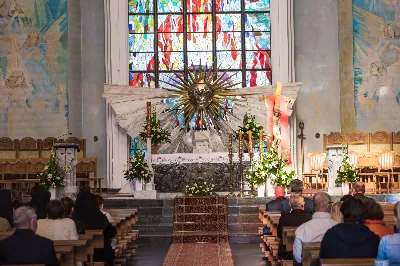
(55, 226)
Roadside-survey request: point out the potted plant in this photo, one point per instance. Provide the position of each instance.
(270, 167)
(200, 190)
(249, 124)
(51, 178)
(138, 168)
(347, 172)
(158, 134)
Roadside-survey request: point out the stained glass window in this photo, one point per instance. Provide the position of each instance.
(167, 35)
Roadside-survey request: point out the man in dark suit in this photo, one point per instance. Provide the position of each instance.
(358, 191)
(24, 246)
(276, 204)
(296, 217)
(296, 188)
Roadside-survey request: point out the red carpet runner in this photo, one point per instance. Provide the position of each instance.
(200, 234)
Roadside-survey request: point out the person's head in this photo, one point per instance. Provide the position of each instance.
(296, 186)
(100, 201)
(336, 214)
(25, 218)
(392, 30)
(68, 206)
(374, 210)
(85, 189)
(358, 188)
(377, 69)
(279, 191)
(296, 202)
(38, 188)
(397, 214)
(346, 197)
(322, 202)
(55, 210)
(353, 211)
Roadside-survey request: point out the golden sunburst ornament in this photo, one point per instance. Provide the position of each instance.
(202, 93)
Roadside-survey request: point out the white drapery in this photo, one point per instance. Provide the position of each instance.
(117, 72)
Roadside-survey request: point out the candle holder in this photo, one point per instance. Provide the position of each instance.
(231, 194)
(241, 193)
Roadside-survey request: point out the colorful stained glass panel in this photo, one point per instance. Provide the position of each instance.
(199, 23)
(170, 60)
(258, 78)
(141, 42)
(257, 22)
(228, 5)
(199, 6)
(233, 77)
(170, 42)
(199, 41)
(142, 79)
(168, 77)
(228, 22)
(258, 40)
(257, 5)
(140, 6)
(194, 58)
(229, 41)
(173, 6)
(170, 23)
(141, 24)
(258, 59)
(141, 61)
(229, 60)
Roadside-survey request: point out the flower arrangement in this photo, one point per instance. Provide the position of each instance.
(249, 124)
(271, 166)
(138, 167)
(158, 135)
(51, 177)
(200, 189)
(347, 173)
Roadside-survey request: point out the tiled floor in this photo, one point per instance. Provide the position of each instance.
(243, 254)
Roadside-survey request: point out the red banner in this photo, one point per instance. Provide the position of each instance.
(285, 137)
(270, 120)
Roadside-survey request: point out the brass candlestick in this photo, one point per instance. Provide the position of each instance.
(261, 143)
(241, 193)
(230, 195)
(148, 119)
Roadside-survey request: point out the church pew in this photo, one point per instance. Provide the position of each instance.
(288, 235)
(81, 249)
(347, 262)
(67, 255)
(90, 245)
(310, 253)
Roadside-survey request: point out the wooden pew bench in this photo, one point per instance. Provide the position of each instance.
(310, 253)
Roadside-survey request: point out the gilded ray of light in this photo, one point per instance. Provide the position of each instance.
(201, 93)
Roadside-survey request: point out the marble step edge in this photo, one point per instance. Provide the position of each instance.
(201, 223)
(153, 225)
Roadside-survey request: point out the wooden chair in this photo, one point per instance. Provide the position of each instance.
(8, 149)
(385, 163)
(357, 141)
(316, 162)
(28, 148)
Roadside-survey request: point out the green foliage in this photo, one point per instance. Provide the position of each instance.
(51, 177)
(270, 166)
(249, 124)
(137, 166)
(158, 135)
(347, 173)
(200, 189)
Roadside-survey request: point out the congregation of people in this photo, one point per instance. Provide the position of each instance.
(41, 221)
(350, 228)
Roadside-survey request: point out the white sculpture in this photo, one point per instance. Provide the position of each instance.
(202, 142)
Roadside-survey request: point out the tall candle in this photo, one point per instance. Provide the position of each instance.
(240, 141)
(261, 145)
(230, 142)
(250, 134)
(149, 119)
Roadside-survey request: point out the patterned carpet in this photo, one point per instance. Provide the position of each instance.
(200, 234)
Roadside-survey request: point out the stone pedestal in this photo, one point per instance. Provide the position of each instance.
(334, 157)
(67, 159)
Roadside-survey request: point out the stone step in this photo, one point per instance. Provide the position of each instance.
(199, 218)
(244, 238)
(153, 239)
(249, 228)
(243, 218)
(155, 219)
(200, 237)
(153, 228)
(210, 227)
(247, 202)
(243, 209)
(201, 209)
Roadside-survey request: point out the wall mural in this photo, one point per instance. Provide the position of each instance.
(376, 30)
(33, 68)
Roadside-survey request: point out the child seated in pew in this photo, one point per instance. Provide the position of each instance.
(55, 226)
(69, 208)
(100, 202)
(390, 244)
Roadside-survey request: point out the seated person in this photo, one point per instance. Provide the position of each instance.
(296, 217)
(55, 226)
(24, 246)
(374, 219)
(358, 192)
(100, 202)
(296, 188)
(275, 205)
(315, 229)
(6, 210)
(39, 201)
(390, 244)
(69, 207)
(350, 239)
